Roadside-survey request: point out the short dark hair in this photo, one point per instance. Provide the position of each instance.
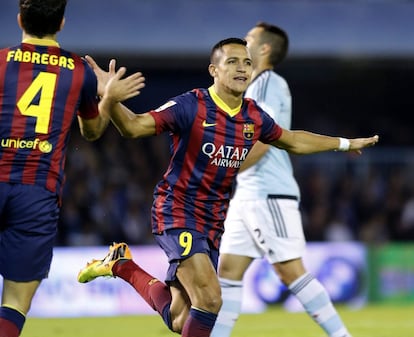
(42, 17)
(278, 40)
(219, 45)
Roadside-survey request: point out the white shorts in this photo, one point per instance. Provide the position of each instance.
(270, 228)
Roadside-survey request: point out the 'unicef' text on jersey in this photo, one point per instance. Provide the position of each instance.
(43, 146)
(40, 58)
(225, 155)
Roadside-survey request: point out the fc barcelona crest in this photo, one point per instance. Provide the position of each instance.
(248, 130)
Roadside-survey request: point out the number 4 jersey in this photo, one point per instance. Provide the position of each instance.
(42, 89)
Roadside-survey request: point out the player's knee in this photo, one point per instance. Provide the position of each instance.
(178, 323)
(216, 304)
(211, 300)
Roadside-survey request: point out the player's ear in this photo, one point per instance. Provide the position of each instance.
(62, 24)
(265, 49)
(212, 69)
(19, 20)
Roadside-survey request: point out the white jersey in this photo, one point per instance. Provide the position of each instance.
(273, 173)
(266, 201)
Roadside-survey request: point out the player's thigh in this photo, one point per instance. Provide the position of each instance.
(237, 238)
(233, 266)
(29, 225)
(276, 226)
(199, 278)
(193, 262)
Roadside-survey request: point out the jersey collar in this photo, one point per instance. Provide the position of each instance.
(223, 106)
(41, 42)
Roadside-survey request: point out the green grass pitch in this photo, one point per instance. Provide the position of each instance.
(370, 321)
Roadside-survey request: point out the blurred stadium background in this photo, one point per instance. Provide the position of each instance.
(350, 70)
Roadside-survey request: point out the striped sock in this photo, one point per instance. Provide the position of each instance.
(317, 303)
(199, 323)
(232, 292)
(11, 322)
(153, 291)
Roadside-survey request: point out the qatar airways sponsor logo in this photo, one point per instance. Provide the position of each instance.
(225, 155)
(42, 145)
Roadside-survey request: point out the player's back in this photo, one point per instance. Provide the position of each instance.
(41, 89)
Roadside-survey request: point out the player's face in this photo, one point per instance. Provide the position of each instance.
(233, 70)
(253, 42)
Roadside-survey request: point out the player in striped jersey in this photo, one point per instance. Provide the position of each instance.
(212, 130)
(43, 90)
(264, 218)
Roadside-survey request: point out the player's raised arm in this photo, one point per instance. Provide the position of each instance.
(131, 84)
(304, 142)
(128, 123)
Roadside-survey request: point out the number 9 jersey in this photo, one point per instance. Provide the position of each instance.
(42, 90)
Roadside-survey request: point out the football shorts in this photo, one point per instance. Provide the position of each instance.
(270, 228)
(29, 218)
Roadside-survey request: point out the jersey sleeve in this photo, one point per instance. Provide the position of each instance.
(176, 114)
(88, 107)
(271, 131)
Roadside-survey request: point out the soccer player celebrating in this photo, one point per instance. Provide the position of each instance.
(212, 130)
(264, 218)
(43, 89)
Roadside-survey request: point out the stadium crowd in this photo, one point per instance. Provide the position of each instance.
(109, 184)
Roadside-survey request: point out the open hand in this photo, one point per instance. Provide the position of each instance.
(101, 75)
(120, 89)
(357, 144)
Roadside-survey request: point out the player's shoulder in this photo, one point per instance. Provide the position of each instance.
(267, 79)
(277, 79)
(191, 96)
(251, 103)
(181, 101)
(5, 49)
(78, 59)
(276, 84)
(187, 96)
(73, 54)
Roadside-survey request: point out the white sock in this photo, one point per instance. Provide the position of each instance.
(231, 292)
(317, 303)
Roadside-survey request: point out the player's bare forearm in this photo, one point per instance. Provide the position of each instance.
(304, 142)
(92, 129)
(256, 153)
(128, 123)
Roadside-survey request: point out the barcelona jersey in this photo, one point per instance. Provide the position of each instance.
(42, 89)
(209, 142)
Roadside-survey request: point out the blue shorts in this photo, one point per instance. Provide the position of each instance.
(181, 243)
(28, 224)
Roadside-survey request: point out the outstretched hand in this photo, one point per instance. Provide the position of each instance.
(119, 89)
(101, 75)
(111, 84)
(357, 144)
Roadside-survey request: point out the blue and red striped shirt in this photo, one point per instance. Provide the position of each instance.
(208, 145)
(42, 89)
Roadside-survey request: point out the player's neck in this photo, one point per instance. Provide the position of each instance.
(231, 99)
(26, 36)
(259, 69)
